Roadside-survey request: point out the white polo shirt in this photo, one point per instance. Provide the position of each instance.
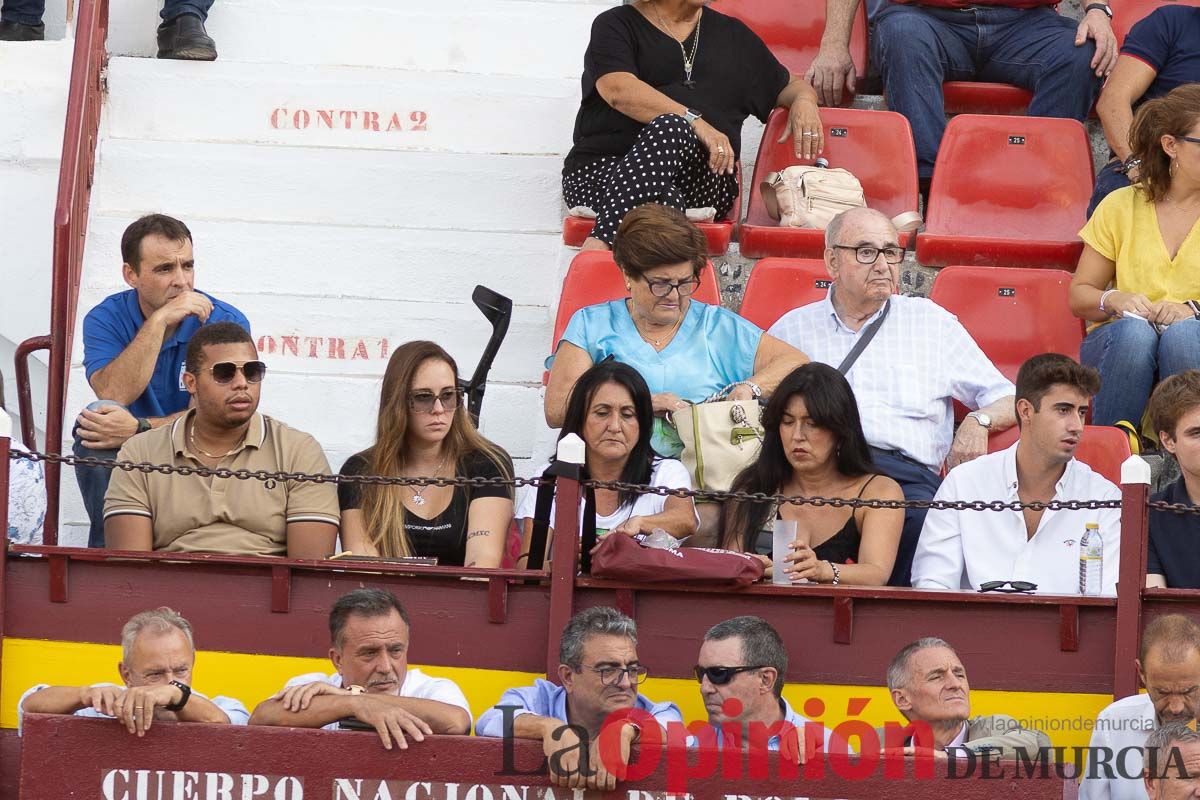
(962, 549)
(416, 684)
(1122, 727)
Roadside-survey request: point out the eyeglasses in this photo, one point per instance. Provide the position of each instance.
(867, 254)
(611, 675)
(422, 402)
(223, 371)
(661, 287)
(1192, 139)
(1013, 587)
(719, 676)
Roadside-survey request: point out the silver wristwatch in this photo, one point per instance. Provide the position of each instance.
(982, 418)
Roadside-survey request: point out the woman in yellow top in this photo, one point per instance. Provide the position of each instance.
(1138, 280)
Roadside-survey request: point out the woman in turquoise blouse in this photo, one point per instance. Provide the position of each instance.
(686, 350)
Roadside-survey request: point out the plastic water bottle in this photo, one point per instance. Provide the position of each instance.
(660, 539)
(1091, 560)
(821, 162)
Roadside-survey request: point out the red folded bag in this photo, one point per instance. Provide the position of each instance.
(619, 557)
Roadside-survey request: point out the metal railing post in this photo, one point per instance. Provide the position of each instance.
(1135, 493)
(564, 558)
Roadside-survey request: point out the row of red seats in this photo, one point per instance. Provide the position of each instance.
(1011, 313)
(1006, 191)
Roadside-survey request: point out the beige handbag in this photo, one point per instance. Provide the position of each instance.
(810, 197)
(720, 439)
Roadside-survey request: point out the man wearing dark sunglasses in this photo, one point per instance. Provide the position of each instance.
(189, 513)
(741, 670)
(134, 343)
(929, 686)
(599, 672)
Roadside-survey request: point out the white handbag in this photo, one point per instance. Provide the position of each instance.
(810, 197)
(720, 439)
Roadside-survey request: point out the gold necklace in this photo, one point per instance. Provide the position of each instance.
(689, 61)
(418, 498)
(658, 342)
(205, 453)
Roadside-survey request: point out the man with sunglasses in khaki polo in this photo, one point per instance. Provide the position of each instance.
(190, 513)
(741, 670)
(599, 673)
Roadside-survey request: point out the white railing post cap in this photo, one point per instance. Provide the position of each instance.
(1135, 470)
(571, 449)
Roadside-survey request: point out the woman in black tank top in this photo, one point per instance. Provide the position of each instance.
(814, 447)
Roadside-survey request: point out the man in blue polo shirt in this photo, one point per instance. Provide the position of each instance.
(1173, 559)
(134, 344)
(1160, 53)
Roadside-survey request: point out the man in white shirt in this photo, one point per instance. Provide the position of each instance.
(966, 549)
(906, 379)
(157, 656)
(373, 685)
(1174, 750)
(1169, 669)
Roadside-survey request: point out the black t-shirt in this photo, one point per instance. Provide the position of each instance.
(735, 76)
(443, 537)
(1174, 547)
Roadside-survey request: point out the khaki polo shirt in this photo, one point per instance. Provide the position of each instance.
(194, 514)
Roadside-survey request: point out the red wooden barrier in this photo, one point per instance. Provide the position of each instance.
(203, 762)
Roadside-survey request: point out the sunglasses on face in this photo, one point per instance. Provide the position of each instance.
(719, 676)
(223, 371)
(1008, 587)
(661, 287)
(422, 402)
(868, 255)
(611, 675)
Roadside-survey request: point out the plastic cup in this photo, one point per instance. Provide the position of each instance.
(784, 534)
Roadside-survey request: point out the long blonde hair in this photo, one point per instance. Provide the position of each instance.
(382, 506)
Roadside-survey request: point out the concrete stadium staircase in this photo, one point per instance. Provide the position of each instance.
(349, 175)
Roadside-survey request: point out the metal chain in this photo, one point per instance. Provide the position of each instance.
(663, 491)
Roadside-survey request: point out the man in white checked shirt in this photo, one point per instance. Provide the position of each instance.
(919, 361)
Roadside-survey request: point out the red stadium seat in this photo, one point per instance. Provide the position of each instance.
(593, 277)
(793, 31)
(876, 146)
(1103, 448)
(1128, 13)
(1012, 314)
(1008, 191)
(979, 97)
(777, 285)
(719, 233)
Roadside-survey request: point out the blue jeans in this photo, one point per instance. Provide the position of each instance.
(1129, 354)
(1107, 182)
(917, 483)
(30, 12)
(93, 481)
(917, 48)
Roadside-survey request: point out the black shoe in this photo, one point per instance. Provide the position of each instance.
(16, 32)
(185, 38)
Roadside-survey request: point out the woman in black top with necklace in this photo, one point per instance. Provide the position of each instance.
(667, 85)
(814, 447)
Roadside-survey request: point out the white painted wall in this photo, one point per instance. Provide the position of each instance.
(331, 231)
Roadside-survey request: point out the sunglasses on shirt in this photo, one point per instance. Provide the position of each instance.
(1008, 587)
(719, 676)
(223, 371)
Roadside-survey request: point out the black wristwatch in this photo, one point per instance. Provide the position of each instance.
(143, 425)
(186, 693)
(1099, 7)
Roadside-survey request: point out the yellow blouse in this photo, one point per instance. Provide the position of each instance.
(1124, 229)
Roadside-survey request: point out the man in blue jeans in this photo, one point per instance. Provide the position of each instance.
(181, 34)
(919, 46)
(134, 344)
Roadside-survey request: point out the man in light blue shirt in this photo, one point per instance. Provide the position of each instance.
(599, 673)
(158, 654)
(741, 670)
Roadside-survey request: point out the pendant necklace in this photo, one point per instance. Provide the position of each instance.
(657, 343)
(417, 498)
(689, 61)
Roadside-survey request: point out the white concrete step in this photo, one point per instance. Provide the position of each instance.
(519, 37)
(330, 187)
(337, 107)
(33, 99)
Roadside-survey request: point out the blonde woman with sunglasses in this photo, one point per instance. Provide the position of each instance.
(424, 431)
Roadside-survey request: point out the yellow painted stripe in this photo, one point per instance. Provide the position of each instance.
(1065, 717)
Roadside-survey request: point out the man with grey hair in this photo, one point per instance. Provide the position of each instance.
(157, 656)
(929, 686)
(599, 673)
(919, 360)
(1172, 755)
(373, 686)
(741, 669)
(1168, 666)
